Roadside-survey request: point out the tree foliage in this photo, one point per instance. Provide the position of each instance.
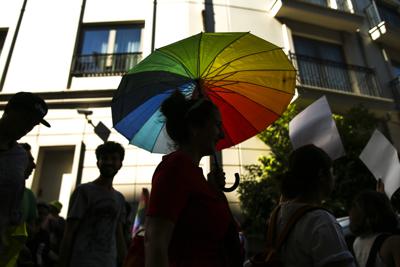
(259, 190)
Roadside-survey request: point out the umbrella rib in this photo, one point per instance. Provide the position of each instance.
(209, 65)
(166, 83)
(212, 80)
(223, 79)
(228, 136)
(240, 114)
(225, 84)
(246, 33)
(158, 135)
(237, 71)
(251, 100)
(252, 54)
(198, 55)
(188, 72)
(233, 82)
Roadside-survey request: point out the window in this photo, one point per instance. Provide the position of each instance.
(321, 64)
(389, 14)
(3, 35)
(108, 50)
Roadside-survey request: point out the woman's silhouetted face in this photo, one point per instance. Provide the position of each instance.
(206, 136)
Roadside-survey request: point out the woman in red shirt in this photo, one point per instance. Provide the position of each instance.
(188, 217)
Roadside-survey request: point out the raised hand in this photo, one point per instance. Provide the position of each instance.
(216, 178)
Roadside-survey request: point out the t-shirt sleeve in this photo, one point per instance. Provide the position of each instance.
(170, 190)
(78, 204)
(328, 244)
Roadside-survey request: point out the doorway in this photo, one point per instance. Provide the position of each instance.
(53, 164)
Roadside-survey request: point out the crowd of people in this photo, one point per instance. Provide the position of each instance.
(189, 222)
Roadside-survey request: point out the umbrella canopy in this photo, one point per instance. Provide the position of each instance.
(250, 80)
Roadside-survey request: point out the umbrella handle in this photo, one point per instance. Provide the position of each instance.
(237, 177)
(234, 186)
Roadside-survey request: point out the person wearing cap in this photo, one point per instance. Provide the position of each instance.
(23, 112)
(56, 207)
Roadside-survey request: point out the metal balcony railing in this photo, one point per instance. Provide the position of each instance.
(342, 5)
(327, 74)
(104, 64)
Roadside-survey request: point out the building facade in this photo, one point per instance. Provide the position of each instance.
(73, 53)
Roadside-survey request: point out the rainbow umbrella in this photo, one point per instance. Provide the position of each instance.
(250, 80)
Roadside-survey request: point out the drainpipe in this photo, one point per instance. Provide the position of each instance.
(153, 34)
(3, 77)
(209, 26)
(77, 40)
(208, 16)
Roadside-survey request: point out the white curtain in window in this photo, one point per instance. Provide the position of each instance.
(128, 40)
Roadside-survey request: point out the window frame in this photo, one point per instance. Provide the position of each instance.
(110, 63)
(139, 25)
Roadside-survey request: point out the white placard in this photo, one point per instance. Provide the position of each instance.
(315, 125)
(380, 157)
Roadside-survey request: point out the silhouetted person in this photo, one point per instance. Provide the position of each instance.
(29, 211)
(316, 239)
(23, 112)
(40, 244)
(94, 231)
(188, 218)
(56, 226)
(372, 219)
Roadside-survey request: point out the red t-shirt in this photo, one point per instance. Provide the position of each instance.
(181, 194)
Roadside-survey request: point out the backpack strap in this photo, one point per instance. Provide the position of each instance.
(298, 214)
(373, 253)
(271, 232)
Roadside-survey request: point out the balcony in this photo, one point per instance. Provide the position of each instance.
(96, 65)
(335, 76)
(384, 25)
(333, 14)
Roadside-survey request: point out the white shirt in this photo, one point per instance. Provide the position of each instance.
(99, 211)
(315, 240)
(362, 247)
